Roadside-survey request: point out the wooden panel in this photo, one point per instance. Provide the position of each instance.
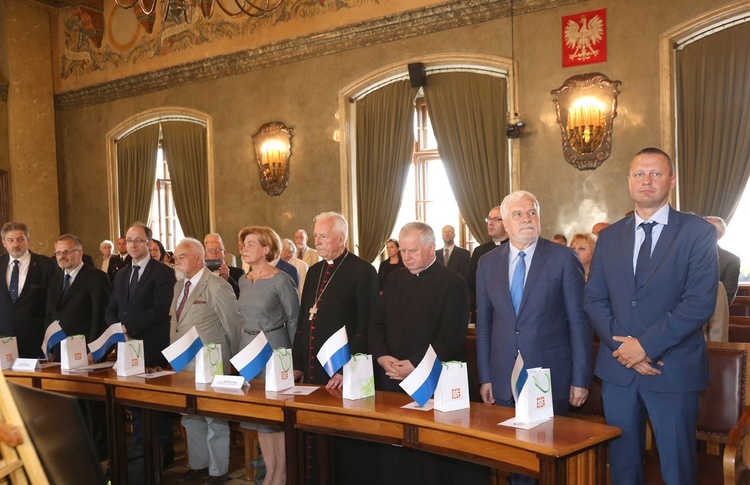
(482, 448)
(582, 468)
(352, 424)
(150, 398)
(239, 409)
(73, 387)
(24, 381)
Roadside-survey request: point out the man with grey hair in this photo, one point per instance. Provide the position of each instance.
(215, 251)
(423, 304)
(426, 304)
(289, 254)
(304, 253)
(530, 300)
(205, 301)
(229, 258)
(76, 298)
(729, 263)
(23, 290)
(341, 290)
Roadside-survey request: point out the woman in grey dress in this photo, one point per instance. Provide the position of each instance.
(268, 301)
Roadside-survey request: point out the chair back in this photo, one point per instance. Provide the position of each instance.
(60, 435)
(721, 402)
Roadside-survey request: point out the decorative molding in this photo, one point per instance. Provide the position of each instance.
(412, 23)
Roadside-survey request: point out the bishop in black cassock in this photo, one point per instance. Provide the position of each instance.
(341, 290)
(341, 293)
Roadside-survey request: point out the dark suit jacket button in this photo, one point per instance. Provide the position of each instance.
(633, 303)
(517, 332)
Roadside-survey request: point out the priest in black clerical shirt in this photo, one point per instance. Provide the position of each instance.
(423, 304)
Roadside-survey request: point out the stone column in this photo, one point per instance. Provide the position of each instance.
(26, 63)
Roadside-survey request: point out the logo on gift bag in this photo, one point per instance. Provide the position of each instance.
(284, 375)
(134, 362)
(456, 393)
(540, 402)
(8, 357)
(78, 356)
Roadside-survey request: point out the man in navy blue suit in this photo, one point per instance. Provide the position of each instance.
(541, 314)
(652, 286)
(141, 298)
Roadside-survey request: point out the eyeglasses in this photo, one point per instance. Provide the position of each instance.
(136, 241)
(493, 219)
(66, 252)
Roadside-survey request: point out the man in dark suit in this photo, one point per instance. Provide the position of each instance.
(79, 294)
(215, 251)
(530, 299)
(729, 263)
(452, 256)
(141, 298)
(23, 290)
(496, 231)
(77, 297)
(119, 260)
(140, 301)
(652, 285)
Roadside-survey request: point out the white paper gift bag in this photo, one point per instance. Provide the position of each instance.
(73, 352)
(279, 370)
(130, 358)
(359, 381)
(208, 364)
(8, 352)
(535, 401)
(452, 392)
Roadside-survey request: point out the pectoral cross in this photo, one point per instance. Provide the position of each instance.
(313, 311)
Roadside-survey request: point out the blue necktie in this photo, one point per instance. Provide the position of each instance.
(644, 255)
(66, 284)
(14, 282)
(133, 281)
(516, 286)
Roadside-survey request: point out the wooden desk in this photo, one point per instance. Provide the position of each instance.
(563, 450)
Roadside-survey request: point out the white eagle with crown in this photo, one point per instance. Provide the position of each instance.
(583, 36)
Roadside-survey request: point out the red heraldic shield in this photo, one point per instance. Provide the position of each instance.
(584, 38)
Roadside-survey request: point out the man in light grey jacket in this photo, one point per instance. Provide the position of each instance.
(207, 302)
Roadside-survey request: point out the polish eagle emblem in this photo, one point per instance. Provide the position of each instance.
(582, 37)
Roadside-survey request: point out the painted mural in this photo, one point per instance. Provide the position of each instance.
(127, 43)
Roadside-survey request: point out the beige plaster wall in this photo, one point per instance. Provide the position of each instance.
(304, 96)
(26, 63)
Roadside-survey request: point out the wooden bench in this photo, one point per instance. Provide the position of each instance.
(740, 306)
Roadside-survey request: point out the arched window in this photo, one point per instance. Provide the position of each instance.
(435, 172)
(159, 167)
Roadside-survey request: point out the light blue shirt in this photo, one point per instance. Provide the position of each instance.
(661, 218)
(529, 252)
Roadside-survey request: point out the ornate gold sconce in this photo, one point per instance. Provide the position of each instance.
(273, 149)
(586, 106)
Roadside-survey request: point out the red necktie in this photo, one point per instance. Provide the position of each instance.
(184, 299)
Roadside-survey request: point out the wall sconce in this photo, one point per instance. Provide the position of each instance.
(273, 148)
(586, 106)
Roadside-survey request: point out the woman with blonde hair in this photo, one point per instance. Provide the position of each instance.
(268, 301)
(583, 243)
